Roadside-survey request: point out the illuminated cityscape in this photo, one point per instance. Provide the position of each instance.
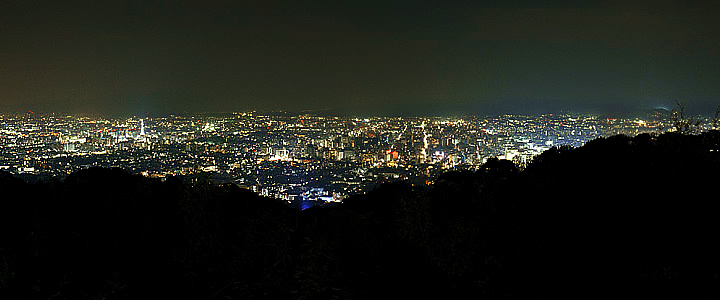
(176, 149)
(294, 156)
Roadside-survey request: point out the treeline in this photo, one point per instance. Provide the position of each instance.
(637, 215)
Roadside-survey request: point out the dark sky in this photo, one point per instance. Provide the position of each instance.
(357, 57)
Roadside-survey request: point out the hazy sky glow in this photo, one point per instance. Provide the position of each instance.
(357, 57)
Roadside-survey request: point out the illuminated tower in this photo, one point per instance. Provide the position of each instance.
(142, 127)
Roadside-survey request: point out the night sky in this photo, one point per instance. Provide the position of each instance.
(358, 57)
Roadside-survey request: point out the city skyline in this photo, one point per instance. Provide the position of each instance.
(297, 157)
(359, 149)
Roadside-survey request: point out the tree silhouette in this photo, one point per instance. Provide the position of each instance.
(681, 123)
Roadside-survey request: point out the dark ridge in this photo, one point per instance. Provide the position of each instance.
(631, 215)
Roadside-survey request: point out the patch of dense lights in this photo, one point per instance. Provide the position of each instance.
(311, 159)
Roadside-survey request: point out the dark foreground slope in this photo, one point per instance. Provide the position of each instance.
(632, 215)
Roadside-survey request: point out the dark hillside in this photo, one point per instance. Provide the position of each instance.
(634, 215)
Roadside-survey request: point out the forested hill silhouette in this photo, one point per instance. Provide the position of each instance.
(637, 215)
